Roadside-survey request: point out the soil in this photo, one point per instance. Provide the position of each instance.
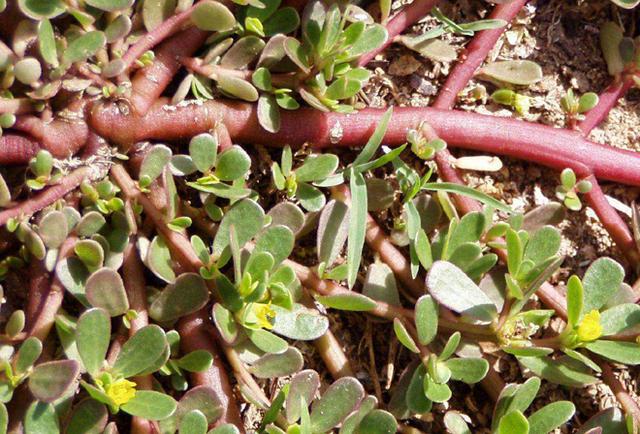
(562, 37)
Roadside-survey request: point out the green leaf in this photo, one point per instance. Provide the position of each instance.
(603, 278)
(278, 365)
(213, 16)
(426, 319)
(415, 397)
(284, 21)
(193, 422)
(93, 333)
(233, 163)
(317, 167)
(468, 370)
(47, 43)
(455, 423)
(619, 318)
(159, 259)
(237, 87)
(109, 5)
(333, 227)
(351, 301)
(196, 361)
(551, 417)
(28, 353)
(88, 417)
(574, 301)
(41, 418)
(268, 113)
(247, 218)
(340, 399)
(610, 37)
(564, 371)
(375, 140)
(267, 341)
(378, 422)
(299, 323)
(84, 47)
(186, 295)
(513, 423)
(380, 284)
(202, 398)
(154, 12)
(277, 241)
(469, 192)
(310, 197)
(372, 38)
(436, 392)
(357, 225)
(622, 352)
(105, 289)
(303, 385)
(150, 405)
(203, 150)
(141, 351)
(39, 9)
(523, 396)
(51, 380)
(518, 72)
(404, 337)
(452, 288)
(91, 223)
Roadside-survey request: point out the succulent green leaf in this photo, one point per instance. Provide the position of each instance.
(88, 417)
(105, 289)
(551, 417)
(436, 392)
(610, 37)
(603, 278)
(455, 423)
(277, 365)
(426, 320)
(575, 297)
(150, 405)
(564, 371)
(513, 423)
(213, 16)
(299, 323)
(84, 47)
(269, 113)
(203, 150)
(379, 422)
(141, 351)
(159, 259)
(622, 352)
(186, 295)
(47, 43)
(93, 333)
(468, 370)
(196, 361)
(303, 385)
(351, 301)
(357, 225)
(404, 337)
(41, 418)
(154, 12)
(453, 289)
(154, 162)
(246, 216)
(619, 318)
(332, 231)
(310, 197)
(225, 323)
(518, 72)
(27, 355)
(340, 399)
(51, 380)
(380, 284)
(317, 167)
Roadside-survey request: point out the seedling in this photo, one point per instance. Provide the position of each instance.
(569, 189)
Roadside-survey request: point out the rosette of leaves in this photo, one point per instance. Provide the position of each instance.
(598, 306)
(101, 197)
(438, 50)
(429, 382)
(298, 183)
(41, 167)
(343, 404)
(620, 52)
(569, 189)
(575, 106)
(262, 301)
(508, 415)
(331, 40)
(176, 366)
(422, 147)
(47, 381)
(145, 352)
(220, 174)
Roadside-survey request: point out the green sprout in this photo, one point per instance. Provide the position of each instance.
(569, 189)
(41, 166)
(573, 106)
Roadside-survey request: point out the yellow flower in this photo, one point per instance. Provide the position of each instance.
(121, 391)
(590, 328)
(264, 314)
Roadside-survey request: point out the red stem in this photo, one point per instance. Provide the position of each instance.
(195, 336)
(156, 36)
(52, 301)
(149, 83)
(47, 197)
(544, 145)
(607, 100)
(403, 19)
(16, 106)
(62, 137)
(17, 149)
(474, 54)
(39, 285)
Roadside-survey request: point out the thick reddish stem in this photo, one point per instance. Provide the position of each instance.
(403, 19)
(607, 100)
(156, 36)
(474, 54)
(17, 149)
(17, 106)
(63, 137)
(541, 144)
(47, 197)
(195, 336)
(612, 222)
(39, 285)
(52, 301)
(149, 83)
(629, 404)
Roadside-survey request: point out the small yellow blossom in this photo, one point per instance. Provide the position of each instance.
(264, 314)
(121, 391)
(590, 328)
